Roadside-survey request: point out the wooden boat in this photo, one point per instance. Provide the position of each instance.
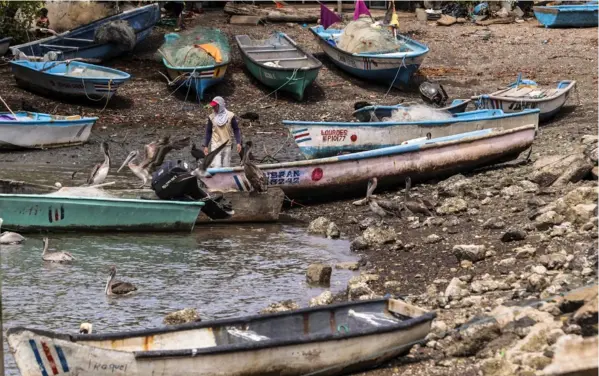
(527, 94)
(250, 207)
(389, 68)
(325, 178)
(279, 63)
(37, 130)
(197, 78)
(325, 139)
(330, 340)
(69, 78)
(79, 42)
(370, 113)
(54, 213)
(583, 15)
(4, 43)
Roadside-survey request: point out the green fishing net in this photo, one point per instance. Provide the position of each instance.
(197, 48)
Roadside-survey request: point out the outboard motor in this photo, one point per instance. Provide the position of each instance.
(174, 181)
(433, 93)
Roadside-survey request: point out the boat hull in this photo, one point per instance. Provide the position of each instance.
(251, 207)
(197, 79)
(322, 179)
(32, 213)
(4, 43)
(564, 16)
(326, 139)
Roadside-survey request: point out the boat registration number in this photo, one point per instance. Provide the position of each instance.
(283, 177)
(333, 135)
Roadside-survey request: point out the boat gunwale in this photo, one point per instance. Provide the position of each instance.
(494, 95)
(412, 54)
(123, 76)
(99, 199)
(383, 124)
(5, 39)
(250, 346)
(47, 123)
(397, 106)
(200, 68)
(566, 8)
(377, 153)
(281, 69)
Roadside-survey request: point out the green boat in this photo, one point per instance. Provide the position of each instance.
(279, 63)
(54, 213)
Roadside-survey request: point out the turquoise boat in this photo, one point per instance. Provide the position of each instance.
(53, 213)
(568, 15)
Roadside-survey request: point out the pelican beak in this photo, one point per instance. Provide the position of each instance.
(124, 163)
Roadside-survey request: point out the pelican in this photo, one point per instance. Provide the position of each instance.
(197, 153)
(137, 170)
(416, 205)
(202, 170)
(100, 171)
(55, 256)
(252, 173)
(117, 287)
(85, 328)
(8, 237)
(382, 208)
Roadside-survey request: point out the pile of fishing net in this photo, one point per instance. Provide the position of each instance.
(117, 32)
(201, 47)
(81, 192)
(362, 35)
(417, 113)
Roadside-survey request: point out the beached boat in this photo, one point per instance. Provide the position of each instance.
(69, 78)
(328, 340)
(526, 94)
(325, 139)
(326, 178)
(37, 130)
(371, 113)
(4, 43)
(387, 67)
(579, 15)
(250, 207)
(197, 78)
(21, 187)
(59, 213)
(80, 43)
(279, 63)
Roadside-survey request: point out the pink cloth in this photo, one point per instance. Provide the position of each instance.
(361, 8)
(327, 16)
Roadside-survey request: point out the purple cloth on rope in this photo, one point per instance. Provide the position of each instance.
(361, 8)
(327, 17)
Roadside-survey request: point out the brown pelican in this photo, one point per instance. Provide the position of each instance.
(117, 287)
(85, 328)
(416, 205)
(382, 208)
(100, 171)
(155, 154)
(55, 256)
(8, 237)
(197, 153)
(202, 170)
(137, 170)
(253, 174)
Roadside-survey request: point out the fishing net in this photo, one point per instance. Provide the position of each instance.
(418, 112)
(117, 32)
(81, 192)
(361, 36)
(201, 47)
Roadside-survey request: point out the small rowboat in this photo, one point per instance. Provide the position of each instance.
(526, 95)
(583, 15)
(326, 139)
(328, 340)
(80, 43)
(369, 113)
(326, 178)
(69, 78)
(394, 67)
(4, 43)
(279, 63)
(37, 130)
(54, 213)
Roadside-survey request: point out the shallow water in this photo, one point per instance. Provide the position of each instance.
(223, 271)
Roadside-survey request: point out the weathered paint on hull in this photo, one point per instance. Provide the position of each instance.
(251, 207)
(326, 139)
(568, 15)
(32, 213)
(198, 79)
(44, 135)
(348, 174)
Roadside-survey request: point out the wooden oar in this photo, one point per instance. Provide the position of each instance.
(5, 105)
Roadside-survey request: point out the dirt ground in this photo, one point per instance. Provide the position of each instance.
(466, 59)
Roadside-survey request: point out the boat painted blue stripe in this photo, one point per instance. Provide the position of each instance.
(303, 140)
(239, 186)
(62, 358)
(38, 358)
(37, 66)
(299, 130)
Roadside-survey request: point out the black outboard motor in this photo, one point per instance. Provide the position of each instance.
(433, 93)
(174, 181)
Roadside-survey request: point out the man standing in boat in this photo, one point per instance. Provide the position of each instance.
(222, 126)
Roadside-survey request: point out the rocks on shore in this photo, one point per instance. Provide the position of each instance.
(325, 227)
(286, 305)
(181, 317)
(323, 299)
(319, 274)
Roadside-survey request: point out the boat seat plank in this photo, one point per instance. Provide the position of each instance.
(79, 40)
(283, 59)
(57, 46)
(271, 50)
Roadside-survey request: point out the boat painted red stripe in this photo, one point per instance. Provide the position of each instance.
(302, 135)
(50, 358)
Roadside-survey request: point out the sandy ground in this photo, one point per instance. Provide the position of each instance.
(467, 59)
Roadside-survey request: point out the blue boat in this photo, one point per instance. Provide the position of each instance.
(69, 78)
(584, 15)
(4, 43)
(372, 113)
(387, 67)
(80, 43)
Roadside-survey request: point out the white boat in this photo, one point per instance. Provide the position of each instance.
(330, 340)
(527, 94)
(37, 130)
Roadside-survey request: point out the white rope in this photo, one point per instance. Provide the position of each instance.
(403, 65)
(277, 89)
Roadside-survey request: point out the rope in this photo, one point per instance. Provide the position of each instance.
(293, 75)
(403, 65)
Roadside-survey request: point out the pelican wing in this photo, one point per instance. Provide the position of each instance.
(210, 157)
(121, 288)
(90, 180)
